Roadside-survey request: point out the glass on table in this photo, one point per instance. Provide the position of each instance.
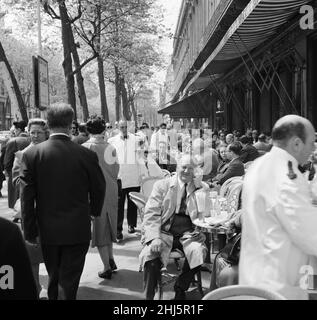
(213, 195)
(201, 204)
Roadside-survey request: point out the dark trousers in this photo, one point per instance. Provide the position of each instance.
(12, 194)
(132, 209)
(64, 264)
(152, 274)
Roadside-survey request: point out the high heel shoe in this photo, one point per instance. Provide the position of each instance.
(113, 265)
(105, 274)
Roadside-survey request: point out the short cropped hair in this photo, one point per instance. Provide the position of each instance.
(39, 122)
(244, 139)
(262, 137)
(235, 147)
(163, 125)
(60, 116)
(288, 130)
(20, 124)
(82, 128)
(96, 125)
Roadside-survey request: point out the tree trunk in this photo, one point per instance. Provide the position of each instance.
(102, 90)
(67, 63)
(118, 92)
(79, 78)
(135, 116)
(101, 78)
(16, 88)
(125, 102)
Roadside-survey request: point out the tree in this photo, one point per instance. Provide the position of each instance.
(70, 52)
(16, 89)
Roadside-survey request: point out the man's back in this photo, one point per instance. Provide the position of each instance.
(278, 225)
(249, 153)
(65, 175)
(14, 145)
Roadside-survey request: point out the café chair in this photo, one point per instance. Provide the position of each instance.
(227, 184)
(241, 292)
(166, 173)
(147, 185)
(168, 278)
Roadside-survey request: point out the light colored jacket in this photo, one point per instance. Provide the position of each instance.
(159, 209)
(279, 226)
(128, 159)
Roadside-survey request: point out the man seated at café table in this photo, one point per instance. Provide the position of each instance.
(168, 224)
(235, 166)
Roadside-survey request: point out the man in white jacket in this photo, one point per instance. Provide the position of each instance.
(279, 222)
(126, 145)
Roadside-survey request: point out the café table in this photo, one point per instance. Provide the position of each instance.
(216, 234)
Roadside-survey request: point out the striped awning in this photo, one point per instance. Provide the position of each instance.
(259, 26)
(258, 22)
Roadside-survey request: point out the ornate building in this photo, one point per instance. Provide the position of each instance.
(243, 64)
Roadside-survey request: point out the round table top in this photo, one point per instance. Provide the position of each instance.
(211, 224)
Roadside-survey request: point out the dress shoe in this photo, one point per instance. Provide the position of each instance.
(113, 265)
(119, 237)
(105, 274)
(131, 229)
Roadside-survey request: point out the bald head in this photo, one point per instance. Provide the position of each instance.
(123, 126)
(291, 126)
(296, 135)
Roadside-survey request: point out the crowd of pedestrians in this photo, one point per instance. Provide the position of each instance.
(69, 185)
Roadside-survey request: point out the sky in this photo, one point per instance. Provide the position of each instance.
(171, 8)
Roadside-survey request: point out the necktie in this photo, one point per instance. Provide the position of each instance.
(183, 206)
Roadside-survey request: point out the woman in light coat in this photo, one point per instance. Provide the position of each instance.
(104, 231)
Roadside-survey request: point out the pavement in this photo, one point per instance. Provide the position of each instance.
(126, 283)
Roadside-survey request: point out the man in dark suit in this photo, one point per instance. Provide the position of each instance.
(61, 186)
(248, 152)
(18, 281)
(19, 142)
(235, 167)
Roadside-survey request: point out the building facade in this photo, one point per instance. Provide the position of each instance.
(243, 64)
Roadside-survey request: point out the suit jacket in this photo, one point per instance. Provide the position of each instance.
(249, 153)
(61, 184)
(81, 138)
(235, 169)
(13, 253)
(14, 145)
(159, 209)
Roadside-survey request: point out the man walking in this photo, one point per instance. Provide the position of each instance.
(61, 186)
(128, 178)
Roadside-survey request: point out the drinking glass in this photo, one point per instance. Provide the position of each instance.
(213, 198)
(201, 204)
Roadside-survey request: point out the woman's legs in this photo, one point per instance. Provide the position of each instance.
(105, 256)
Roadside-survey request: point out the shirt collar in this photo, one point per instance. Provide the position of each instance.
(121, 135)
(285, 155)
(59, 134)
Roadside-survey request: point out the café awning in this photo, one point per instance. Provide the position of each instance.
(259, 22)
(193, 106)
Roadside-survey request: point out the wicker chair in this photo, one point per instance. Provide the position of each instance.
(239, 292)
